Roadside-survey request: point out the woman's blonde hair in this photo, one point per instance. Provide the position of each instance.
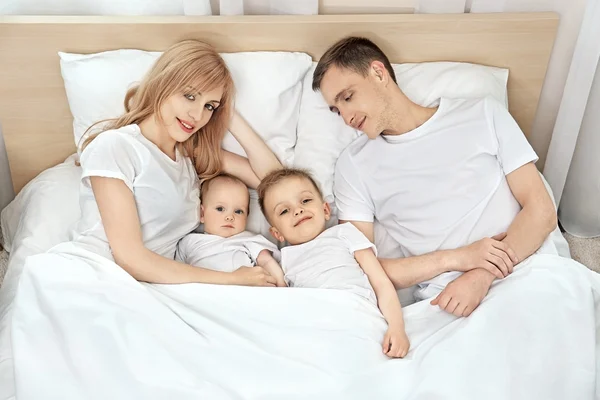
(189, 63)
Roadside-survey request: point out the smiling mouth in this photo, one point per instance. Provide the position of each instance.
(302, 221)
(185, 126)
(359, 127)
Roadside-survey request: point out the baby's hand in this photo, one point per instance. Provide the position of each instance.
(395, 343)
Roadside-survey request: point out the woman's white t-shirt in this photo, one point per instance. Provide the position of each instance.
(166, 191)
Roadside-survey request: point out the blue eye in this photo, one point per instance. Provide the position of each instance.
(190, 97)
(220, 209)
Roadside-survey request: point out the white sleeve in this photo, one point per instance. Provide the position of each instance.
(514, 150)
(350, 195)
(355, 240)
(258, 243)
(110, 155)
(183, 247)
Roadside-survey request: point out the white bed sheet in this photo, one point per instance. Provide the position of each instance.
(82, 328)
(167, 341)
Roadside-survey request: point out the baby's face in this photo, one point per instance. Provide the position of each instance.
(224, 211)
(296, 211)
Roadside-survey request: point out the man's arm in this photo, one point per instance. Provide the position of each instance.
(537, 218)
(532, 225)
(488, 254)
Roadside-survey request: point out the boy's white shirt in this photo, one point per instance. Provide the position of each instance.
(442, 185)
(327, 262)
(223, 254)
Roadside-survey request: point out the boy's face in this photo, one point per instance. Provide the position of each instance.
(361, 101)
(296, 211)
(225, 208)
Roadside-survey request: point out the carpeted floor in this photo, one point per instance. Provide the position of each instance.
(586, 251)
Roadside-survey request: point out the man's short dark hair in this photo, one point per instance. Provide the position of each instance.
(353, 53)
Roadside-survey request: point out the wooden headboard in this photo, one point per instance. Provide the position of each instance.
(35, 116)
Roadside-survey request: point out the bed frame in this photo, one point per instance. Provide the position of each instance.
(34, 112)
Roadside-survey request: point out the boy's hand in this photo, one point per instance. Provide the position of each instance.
(395, 343)
(271, 266)
(465, 293)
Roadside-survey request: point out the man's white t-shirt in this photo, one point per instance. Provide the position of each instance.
(223, 254)
(166, 191)
(440, 186)
(327, 262)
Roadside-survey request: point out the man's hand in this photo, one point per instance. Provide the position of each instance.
(490, 254)
(395, 342)
(464, 294)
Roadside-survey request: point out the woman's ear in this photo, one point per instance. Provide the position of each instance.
(202, 214)
(276, 234)
(326, 210)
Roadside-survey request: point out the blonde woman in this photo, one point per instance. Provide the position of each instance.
(140, 181)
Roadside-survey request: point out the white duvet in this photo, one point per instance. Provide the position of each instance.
(82, 328)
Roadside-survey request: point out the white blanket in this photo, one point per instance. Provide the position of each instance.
(84, 329)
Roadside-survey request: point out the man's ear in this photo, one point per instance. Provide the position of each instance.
(379, 72)
(201, 214)
(276, 234)
(326, 210)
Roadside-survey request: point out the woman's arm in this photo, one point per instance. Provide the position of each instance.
(122, 226)
(261, 158)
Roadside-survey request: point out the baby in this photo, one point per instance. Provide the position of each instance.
(340, 257)
(225, 244)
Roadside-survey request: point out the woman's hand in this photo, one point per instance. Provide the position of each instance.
(253, 276)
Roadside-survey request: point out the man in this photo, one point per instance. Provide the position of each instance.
(454, 185)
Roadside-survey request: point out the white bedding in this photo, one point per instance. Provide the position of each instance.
(84, 329)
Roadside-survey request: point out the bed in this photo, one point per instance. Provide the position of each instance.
(74, 329)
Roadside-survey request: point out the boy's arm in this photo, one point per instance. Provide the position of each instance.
(265, 260)
(387, 298)
(395, 341)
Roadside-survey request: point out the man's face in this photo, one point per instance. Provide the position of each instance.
(360, 100)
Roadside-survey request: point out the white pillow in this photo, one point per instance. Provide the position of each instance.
(96, 84)
(268, 90)
(45, 209)
(322, 135)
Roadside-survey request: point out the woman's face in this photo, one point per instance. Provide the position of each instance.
(184, 113)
